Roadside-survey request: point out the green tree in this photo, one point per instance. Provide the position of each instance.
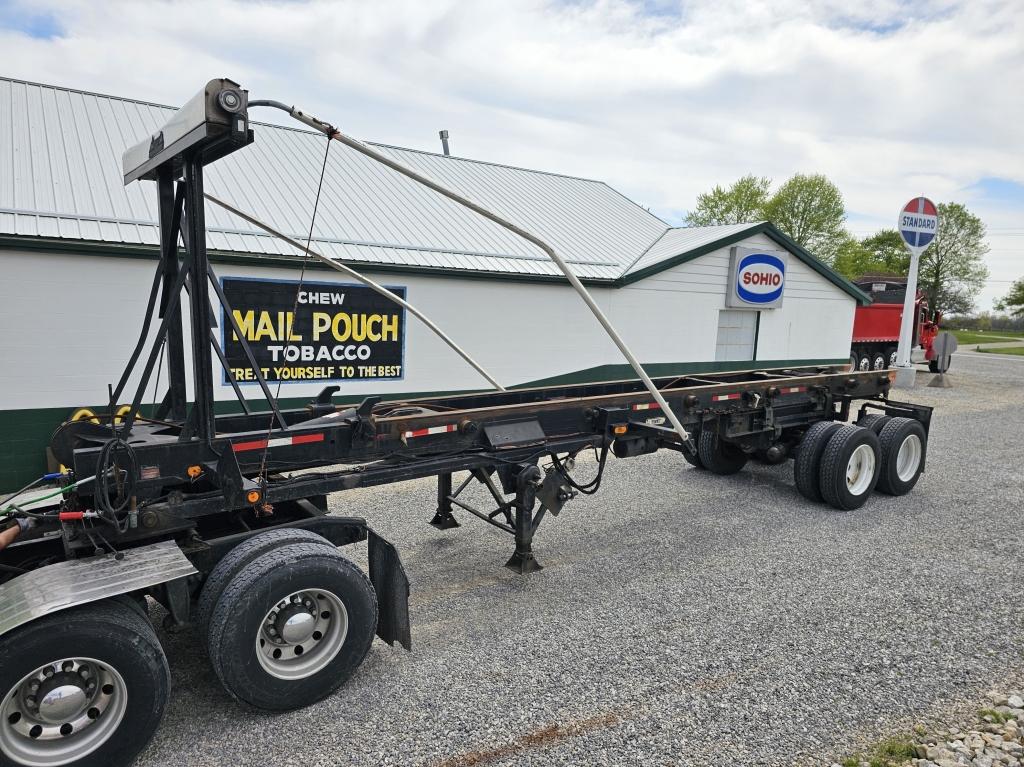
(852, 259)
(952, 270)
(882, 253)
(810, 210)
(889, 253)
(741, 203)
(1013, 302)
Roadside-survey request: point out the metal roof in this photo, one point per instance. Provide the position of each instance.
(60, 179)
(683, 240)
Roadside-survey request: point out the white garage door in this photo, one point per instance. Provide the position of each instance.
(737, 335)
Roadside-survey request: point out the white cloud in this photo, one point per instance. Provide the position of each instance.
(661, 101)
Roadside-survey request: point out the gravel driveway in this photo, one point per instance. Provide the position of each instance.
(681, 618)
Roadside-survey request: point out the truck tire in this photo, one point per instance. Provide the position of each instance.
(850, 467)
(693, 458)
(879, 361)
(291, 627)
(239, 557)
(806, 467)
(890, 356)
(83, 687)
(904, 445)
(854, 361)
(933, 366)
(717, 455)
(874, 421)
(864, 362)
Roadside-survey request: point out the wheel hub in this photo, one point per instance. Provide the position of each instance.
(62, 697)
(295, 624)
(302, 634)
(62, 711)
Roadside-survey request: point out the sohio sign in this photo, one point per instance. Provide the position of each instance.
(757, 279)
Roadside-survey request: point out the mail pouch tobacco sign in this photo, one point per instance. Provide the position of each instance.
(319, 331)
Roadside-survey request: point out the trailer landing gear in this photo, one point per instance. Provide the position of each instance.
(519, 515)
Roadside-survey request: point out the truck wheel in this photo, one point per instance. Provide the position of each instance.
(84, 687)
(890, 356)
(849, 467)
(808, 458)
(292, 626)
(239, 557)
(854, 361)
(874, 421)
(864, 363)
(933, 366)
(903, 444)
(878, 361)
(717, 455)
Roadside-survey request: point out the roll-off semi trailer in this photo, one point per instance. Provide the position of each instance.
(223, 518)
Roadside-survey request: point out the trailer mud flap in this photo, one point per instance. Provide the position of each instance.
(392, 587)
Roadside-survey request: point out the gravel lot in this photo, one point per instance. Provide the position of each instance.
(681, 619)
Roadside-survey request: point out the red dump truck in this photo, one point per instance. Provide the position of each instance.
(876, 327)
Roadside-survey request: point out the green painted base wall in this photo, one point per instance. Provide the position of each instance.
(25, 434)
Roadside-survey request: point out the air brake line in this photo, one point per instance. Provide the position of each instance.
(331, 132)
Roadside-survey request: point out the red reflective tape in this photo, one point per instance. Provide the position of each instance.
(241, 447)
(260, 444)
(430, 430)
(647, 406)
(303, 439)
(721, 397)
(794, 389)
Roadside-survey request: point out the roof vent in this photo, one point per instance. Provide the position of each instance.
(444, 142)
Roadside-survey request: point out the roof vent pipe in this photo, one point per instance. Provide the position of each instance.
(444, 142)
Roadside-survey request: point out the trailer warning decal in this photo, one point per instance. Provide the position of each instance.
(327, 331)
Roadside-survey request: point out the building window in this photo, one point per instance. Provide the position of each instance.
(737, 335)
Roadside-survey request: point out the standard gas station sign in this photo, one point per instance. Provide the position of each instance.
(757, 279)
(919, 223)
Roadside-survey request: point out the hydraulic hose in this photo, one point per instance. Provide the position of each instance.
(368, 151)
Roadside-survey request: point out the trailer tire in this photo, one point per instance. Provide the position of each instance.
(878, 361)
(850, 467)
(904, 445)
(337, 610)
(106, 643)
(864, 363)
(241, 555)
(890, 356)
(933, 366)
(854, 360)
(806, 467)
(717, 455)
(874, 421)
(693, 457)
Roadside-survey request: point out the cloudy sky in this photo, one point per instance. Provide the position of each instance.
(660, 98)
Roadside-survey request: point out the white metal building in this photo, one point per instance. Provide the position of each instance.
(78, 250)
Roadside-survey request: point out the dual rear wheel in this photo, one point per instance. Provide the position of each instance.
(841, 464)
(286, 620)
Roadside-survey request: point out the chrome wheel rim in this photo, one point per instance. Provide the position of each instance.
(301, 634)
(62, 712)
(860, 470)
(865, 364)
(908, 459)
(878, 363)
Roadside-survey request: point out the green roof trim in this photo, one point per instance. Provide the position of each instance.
(773, 233)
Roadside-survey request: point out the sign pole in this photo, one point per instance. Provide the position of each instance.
(918, 225)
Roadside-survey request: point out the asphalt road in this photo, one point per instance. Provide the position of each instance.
(681, 618)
